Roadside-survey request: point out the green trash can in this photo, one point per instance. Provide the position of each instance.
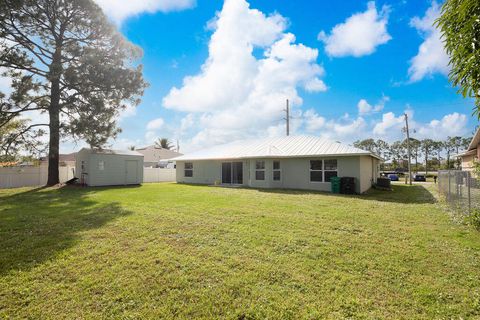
(335, 183)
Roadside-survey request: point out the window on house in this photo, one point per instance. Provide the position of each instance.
(188, 172)
(316, 172)
(101, 165)
(323, 170)
(260, 170)
(330, 169)
(277, 174)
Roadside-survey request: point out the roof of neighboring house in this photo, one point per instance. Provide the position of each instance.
(285, 147)
(111, 151)
(154, 153)
(465, 153)
(475, 141)
(62, 157)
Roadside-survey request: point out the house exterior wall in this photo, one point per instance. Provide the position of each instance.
(295, 172)
(467, 161)
(368, 172)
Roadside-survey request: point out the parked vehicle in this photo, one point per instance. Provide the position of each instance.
(419, 177)
(393, 177)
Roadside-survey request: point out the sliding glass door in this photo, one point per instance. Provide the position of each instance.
(232, 172)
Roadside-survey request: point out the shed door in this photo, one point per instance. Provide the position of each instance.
(131, 172)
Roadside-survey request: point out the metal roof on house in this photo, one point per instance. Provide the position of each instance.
(284, 147)
(111, 151)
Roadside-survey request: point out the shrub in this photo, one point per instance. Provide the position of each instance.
(474, 219)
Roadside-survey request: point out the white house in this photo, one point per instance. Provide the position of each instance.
(154, 155)
(293, 162)
(109, 167)
(472, 154)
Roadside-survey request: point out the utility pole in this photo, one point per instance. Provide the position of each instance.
(408, 150)
(287, 118)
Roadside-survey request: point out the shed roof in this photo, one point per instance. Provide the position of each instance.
(284, 147)
(111, 151)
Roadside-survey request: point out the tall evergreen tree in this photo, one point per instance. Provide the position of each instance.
(68, 61)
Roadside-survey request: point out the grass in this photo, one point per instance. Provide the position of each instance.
(182, 251)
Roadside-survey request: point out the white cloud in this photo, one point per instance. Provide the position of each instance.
(390, 127)
(389, 123)
(454, 124)
(237, 95)
(313, 121)
(119, 10)
(359, 35)
(155, 124)
(431, 57)
(152, 129)
(365, 108)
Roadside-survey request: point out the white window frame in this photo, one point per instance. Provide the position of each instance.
(260, 169)
(279, 170)
(329, 170)
(185, 169)
(101, 165)
(316, 170)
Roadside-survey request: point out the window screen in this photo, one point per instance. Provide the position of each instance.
(260, 170)
(188, 172)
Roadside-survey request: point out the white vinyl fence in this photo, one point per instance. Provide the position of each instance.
(15, 177)
(159, 175)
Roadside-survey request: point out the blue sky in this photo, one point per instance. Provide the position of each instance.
(221, 71)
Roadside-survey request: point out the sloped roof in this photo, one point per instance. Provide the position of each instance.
(111, 151)
(475, 140)
(284, 147)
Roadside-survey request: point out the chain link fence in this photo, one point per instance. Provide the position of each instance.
(460, 189)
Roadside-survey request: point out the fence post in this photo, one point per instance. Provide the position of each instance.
(448, 172)
(469, 193)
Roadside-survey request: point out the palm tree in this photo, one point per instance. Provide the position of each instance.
(163, 143)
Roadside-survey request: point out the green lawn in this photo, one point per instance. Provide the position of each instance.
(181, 251)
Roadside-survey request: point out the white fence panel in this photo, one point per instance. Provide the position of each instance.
(159, 175)
(15, 177)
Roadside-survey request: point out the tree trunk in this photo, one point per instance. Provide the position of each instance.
(426, 162)
(416, 160)
(54, 145)
(54, 114)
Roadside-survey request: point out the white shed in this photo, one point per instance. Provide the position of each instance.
(105, 167)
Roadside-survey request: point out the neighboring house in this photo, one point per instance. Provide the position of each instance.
(109, 167)
(293, 162)
(155, 156)
(472, 153)
(64, 160)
